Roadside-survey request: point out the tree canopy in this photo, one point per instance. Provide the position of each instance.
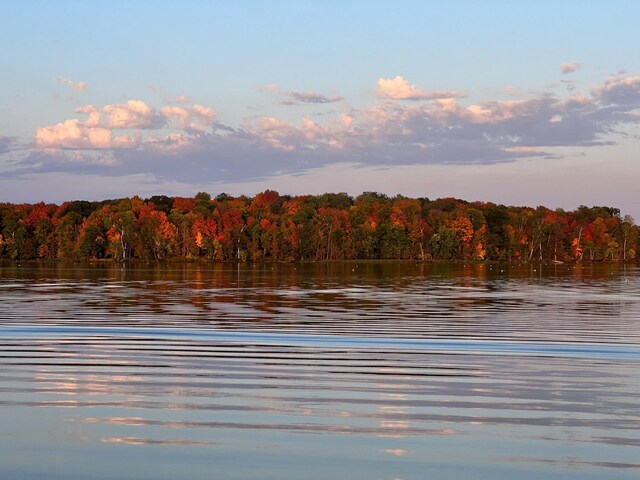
(331, 226)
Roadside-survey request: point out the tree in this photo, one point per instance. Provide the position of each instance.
(444, 243)
(629, 238)
(330, 226)
(67, 232)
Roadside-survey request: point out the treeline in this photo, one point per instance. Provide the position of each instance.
(333, 226)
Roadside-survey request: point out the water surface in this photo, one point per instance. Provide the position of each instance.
(338, 370)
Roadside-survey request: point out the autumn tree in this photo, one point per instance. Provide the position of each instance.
(331, 226)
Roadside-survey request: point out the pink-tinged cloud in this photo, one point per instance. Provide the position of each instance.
(280, 135)
(170, 143)
(618, 90)
(93, 114)
(435, 131)
(346, 120)
(192, 118)
(71, 84)
(276, 133)
(570, 67)
(74, 134)
(399, 89)
(499, 111)
(134, 114)
(96, 132)
(534, 151)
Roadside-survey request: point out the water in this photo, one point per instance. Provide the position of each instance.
(341, 370)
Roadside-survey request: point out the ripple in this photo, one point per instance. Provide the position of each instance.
(307, 373)
(488, 347)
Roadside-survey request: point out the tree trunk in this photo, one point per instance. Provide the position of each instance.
(123, 244)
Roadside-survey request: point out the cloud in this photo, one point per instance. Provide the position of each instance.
(181, 99)
(283, 136)
(74, 134)
(93, 113)
(570, 84)
(194, 118)
(5, 143)
(96, 132)
(399, 89)
(570, 67)
(619, 90)
(71, 84)
(133, 114)
(533, 151)
(295, 98)
(171, 143)
(193, 146)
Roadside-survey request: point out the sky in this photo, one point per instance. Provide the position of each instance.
(518, 103)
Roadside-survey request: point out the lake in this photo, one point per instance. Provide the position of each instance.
(358, 370)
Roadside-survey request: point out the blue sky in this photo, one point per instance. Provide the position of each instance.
(513, 102)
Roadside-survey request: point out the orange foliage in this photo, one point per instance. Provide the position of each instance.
(113, 234)
(576, 249)
(463, 228)
(37, 213)
(336, 230)
(204, 228)
(264, 199)
(184, 204)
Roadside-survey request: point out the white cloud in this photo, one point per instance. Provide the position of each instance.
(169, 143)
(133, 114)
(74, 134)
(276, 133)
(391, 133)
(399, 89)
(93, 113)
(191, 118)
(97, 131)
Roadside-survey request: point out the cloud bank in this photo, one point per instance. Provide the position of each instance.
(405, 125)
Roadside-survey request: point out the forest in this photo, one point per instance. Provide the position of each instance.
(332, 226)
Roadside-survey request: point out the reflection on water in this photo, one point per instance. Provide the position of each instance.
(369, 370)
(482, 301)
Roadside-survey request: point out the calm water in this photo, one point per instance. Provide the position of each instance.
(342, 370)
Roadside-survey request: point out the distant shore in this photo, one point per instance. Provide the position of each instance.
(311, 228)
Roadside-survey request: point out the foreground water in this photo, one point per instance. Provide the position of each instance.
(341, 370)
